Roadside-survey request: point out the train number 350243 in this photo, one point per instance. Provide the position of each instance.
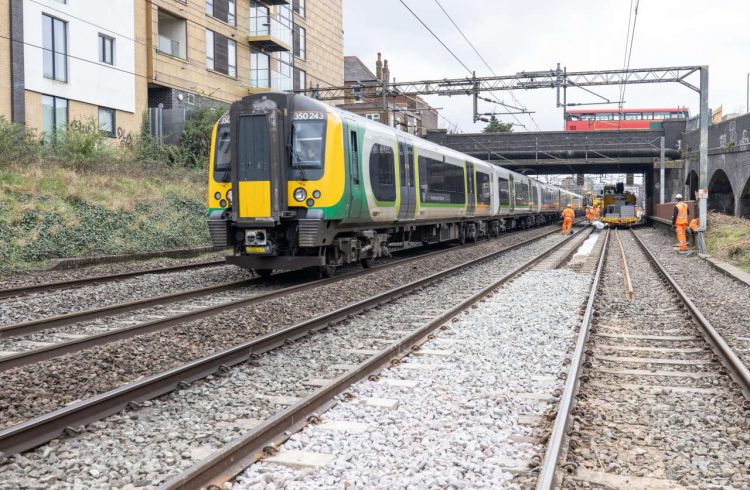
(308, 116)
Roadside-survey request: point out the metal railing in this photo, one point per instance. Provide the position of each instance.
(268, 25)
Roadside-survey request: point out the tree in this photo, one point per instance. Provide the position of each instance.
(496, 126)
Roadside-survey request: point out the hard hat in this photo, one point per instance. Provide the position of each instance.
(678, 196)
(570, 205)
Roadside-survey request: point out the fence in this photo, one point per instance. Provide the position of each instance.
(167, 125)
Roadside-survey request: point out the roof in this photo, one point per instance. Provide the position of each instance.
(356, 71)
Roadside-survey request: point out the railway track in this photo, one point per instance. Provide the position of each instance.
(41, 429)
(266, 438)
(18, 349)
(655, 398)
(86, 281)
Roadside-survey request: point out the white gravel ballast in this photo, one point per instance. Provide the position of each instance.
(458, 409)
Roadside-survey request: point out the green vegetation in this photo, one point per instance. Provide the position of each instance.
(728, 239)
(76, 193)
(495, 126)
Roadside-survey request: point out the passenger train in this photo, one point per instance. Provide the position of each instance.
(295, 183)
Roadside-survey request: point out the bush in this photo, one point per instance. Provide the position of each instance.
(80, 145)
(17, 144)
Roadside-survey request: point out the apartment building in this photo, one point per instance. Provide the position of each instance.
(72, 59)
(113, 60)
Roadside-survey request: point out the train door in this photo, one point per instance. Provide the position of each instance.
(260, 172)
(408, 185)
(470, 191)
(353, 150)
(512, 192)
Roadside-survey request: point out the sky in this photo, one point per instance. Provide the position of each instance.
(534, 35)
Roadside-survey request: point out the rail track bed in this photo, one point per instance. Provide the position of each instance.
(212, 412)
(656, 406)
(36, 389)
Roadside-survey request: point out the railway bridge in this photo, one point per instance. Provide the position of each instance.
(628, 151)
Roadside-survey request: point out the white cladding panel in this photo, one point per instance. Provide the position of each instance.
(89, 80)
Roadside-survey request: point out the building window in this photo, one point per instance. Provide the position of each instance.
(55, 44)
(106, 49)
(107, 121)
(172, 35)
(282, 71)
(224, 10)
(299, 7)
(299, 41)
(260, 69)
(221, 54)
(54, 113)
(300, 79)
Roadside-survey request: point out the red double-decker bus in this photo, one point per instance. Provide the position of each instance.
(609, 119)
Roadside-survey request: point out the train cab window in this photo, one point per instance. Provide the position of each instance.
(483, 188)
(504, 191)
(222, 155)
(383, 172)
(522, 194)
(307, 144)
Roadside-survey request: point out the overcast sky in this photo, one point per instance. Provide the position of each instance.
(532, 35)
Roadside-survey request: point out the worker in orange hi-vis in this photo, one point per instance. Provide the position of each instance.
(567, 215)
(680, 222)
(589, 214)
(597, 212)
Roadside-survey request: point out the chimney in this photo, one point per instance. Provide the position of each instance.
(386, 72)
(379, 68)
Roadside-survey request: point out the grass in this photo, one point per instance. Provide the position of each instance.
(728, 239)
(49, 211)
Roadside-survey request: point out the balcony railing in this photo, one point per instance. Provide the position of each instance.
(265, 79)
(169, 46)
(270, 33)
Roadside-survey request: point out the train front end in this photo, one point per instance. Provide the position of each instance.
(288, 181)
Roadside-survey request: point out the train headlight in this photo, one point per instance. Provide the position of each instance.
(316, 194)
(217, 196)
(229, 195)
(300, 194)
(223, 203)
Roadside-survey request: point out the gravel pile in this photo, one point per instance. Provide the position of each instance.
(146, 446)
(629, 424)
(721, 299)
(36, 389)
(28, 278)
(53, 303)
(459, 427)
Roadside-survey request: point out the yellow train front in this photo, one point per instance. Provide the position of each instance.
(620, 207)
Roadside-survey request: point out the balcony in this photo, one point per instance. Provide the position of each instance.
(276, 2)
(169, 46)
(263, 80)
(267, 33)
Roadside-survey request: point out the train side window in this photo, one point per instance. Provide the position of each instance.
(504, 191)
(383, 172)
(441, 182)
(522, 194)
(354, 149)
(483, 188)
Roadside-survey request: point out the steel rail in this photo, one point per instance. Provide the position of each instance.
(36, 431)
(629, 292)
(25, 328)
(229, 461)
(546, 477)
(44, 353)
(735, 366)
(49, 286)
